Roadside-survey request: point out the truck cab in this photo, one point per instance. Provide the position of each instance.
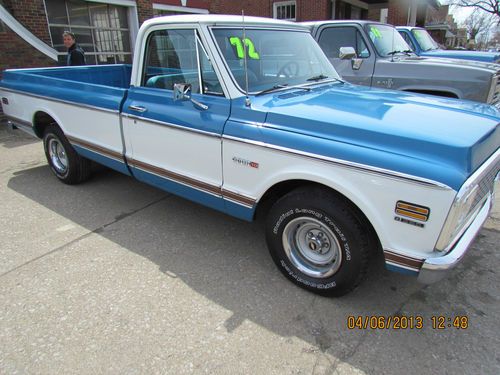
(379, 57)
(422, 43)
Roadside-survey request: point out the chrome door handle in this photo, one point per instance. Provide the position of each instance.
(137, 108)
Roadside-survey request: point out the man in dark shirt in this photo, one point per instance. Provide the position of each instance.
(76, 55)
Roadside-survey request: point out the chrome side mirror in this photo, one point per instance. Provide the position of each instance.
(347, 53)
(182, 91)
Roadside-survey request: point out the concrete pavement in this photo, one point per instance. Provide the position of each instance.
(114, 276)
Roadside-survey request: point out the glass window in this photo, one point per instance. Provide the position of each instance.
(274, 57)
(387, 40)
(332, 38)
(211, 84)
(78, 13)
(285, 10)
(407, 39)
(171, 58)
(425, 40)
(101, 30)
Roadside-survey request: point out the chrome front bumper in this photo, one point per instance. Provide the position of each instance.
(434, 269)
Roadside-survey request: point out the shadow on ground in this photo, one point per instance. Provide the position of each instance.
(226, 260)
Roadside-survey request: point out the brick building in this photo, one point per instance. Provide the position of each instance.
(31, 30)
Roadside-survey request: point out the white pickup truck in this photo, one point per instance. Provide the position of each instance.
(252, 118)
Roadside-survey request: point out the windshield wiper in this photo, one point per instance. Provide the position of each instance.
(406, 51)
(319, 77)
(283, 86)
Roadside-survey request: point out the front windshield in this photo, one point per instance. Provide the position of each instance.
(387, 40)
(424, 39)
(274, 58)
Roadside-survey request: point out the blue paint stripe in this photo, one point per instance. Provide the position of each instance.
(101, 159)
(181, 190)
(394, 268)
(239, 211)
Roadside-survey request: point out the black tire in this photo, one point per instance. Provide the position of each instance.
(317, 241)
(67, 165)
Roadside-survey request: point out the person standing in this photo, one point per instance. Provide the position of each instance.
(76, 55)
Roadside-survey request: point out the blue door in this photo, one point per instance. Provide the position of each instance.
(176, 144)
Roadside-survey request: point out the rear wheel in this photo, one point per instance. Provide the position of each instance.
(67, 165)
(317, 241)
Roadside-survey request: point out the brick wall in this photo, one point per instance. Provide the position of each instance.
(306, 10)
(261, 8)
(16, 52)
(144, 10)
(398, 12)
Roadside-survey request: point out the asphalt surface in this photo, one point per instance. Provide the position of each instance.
(113, 276)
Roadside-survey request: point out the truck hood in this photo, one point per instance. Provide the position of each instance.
(449, 63)
(441, 139)
(490, 57)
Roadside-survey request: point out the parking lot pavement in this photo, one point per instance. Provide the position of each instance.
(113, 276)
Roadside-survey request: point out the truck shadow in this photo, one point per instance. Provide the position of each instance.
(225, 260)
(12, 138)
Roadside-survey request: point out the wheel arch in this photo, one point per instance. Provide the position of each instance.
(435, 92)
(41, 119)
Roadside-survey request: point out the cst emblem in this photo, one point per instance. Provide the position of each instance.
(246, 163)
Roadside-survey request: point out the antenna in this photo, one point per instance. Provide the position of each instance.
(247, 99)
(392, 46)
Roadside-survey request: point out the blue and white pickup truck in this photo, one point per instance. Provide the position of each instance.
(423, 45)
(255, 118)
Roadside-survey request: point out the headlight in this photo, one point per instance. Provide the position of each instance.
(461, 210)
(469, 200)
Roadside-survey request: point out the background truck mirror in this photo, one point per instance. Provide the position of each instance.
(347, 53)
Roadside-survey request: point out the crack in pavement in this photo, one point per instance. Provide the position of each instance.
(83, 236)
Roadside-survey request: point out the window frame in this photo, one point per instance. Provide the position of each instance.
(130, 29)
(223, 61)
(344, 25)
(278, 4)
(198, 42)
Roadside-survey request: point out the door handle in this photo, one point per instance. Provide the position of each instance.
(137, 108)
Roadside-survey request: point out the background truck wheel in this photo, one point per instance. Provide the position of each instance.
(317, 241)
(66, 164)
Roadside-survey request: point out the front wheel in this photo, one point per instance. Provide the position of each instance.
(67, 165)
(317, 241)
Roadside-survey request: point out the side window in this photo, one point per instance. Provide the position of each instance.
(331, 39)
(210, 82)
(171, 58)
(407, 39)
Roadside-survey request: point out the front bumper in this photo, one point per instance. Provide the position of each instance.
(434, 269)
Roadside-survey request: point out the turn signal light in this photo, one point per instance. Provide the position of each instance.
(413, 211)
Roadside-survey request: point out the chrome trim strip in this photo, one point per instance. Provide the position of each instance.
(97, 149)
(214, 190)
(163, 123)
(199, 188)
(406, 261)
(88, 106)
(344, 163)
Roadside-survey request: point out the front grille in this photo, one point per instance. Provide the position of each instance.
(495, 99)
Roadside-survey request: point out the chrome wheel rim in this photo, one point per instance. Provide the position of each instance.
(312, 247)
(58, 156)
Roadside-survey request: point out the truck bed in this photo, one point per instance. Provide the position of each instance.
(102, 86)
